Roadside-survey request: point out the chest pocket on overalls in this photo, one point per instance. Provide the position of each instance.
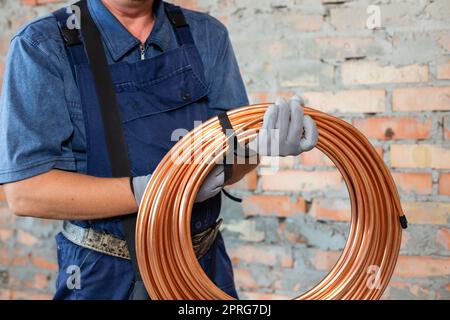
(168, 101)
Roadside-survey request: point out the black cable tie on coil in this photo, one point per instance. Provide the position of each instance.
(232, 139)
(230, 196)
(403, 222)
(227, 127)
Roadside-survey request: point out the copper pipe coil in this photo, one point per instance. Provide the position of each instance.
(165, 255)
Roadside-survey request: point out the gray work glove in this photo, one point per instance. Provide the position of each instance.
(281, 133)
(139, 185)
(212, 185)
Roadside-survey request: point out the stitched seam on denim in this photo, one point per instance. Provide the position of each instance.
(167, 110)
(153, 82)
(75, 109)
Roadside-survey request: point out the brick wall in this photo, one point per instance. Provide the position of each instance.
(393, 83)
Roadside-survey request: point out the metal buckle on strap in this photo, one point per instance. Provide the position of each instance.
(95, 240)
(70, 36)
(203, 241)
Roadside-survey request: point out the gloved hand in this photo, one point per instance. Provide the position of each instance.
(212, 184)
(281, 133)
(210, 187)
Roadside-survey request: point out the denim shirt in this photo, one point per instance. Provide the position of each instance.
(41, 120)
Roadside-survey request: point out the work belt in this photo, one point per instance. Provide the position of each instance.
(108, 244)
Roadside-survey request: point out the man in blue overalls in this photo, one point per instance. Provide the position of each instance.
(164, 68)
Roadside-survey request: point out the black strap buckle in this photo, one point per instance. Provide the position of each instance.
(71, 36)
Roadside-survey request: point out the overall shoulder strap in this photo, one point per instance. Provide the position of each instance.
(115, 139)
(88, 38)
(71, 36)
(179, 23)
(184, 36)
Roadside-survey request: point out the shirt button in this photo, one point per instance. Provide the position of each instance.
(185, 96)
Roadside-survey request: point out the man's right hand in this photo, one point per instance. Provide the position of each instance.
(210, 187)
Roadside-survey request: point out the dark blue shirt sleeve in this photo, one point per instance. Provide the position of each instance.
(35, 125)
(227, 89)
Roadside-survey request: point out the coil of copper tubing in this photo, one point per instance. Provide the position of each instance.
(167, 260)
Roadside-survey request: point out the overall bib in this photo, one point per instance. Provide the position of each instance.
(155, 97)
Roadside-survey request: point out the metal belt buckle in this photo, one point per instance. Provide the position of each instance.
(203, 241)
(95, 240)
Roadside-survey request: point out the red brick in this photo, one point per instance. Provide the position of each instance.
(5, 258)
(351, 101)
(315, 157)
(340, 48)
(331, 209)
(38, 2)
(443, 39)
(394, 128)
(44, 263)
(6, 217)
(279, 162)
(444, 184)
(292, 237)
(244, 278)
(379, 150)
(268, 97)
(40, 281)
(264, 296)
(264, 205)
(189, 4)
(348, 18)
(414, 182)
(414, 289)
(2, 194)
(447, 287)
(5, 294)
(447, 127)
(421, 99)
(305, 22)
(5, 234)
(325, 260)
(4, 44)
(270, 255)
(426, 212)
(297, 180)
(20, 258)
(259, 97)
(29, 295)
(26, 238)
(422, 267)
(249, 182)
(370, 72)
(443, 70)
(443, 238)
(420, 156)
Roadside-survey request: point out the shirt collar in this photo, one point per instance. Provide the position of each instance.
(117, 38)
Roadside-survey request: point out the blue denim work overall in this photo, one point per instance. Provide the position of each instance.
(156, 96)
